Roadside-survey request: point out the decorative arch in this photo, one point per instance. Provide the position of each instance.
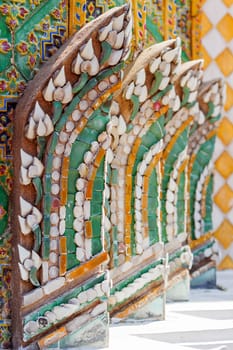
(60, 145)
(200, 170)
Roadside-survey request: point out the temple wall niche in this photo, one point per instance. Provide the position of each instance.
(31, 34)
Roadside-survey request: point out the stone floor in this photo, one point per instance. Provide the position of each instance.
(205, 322)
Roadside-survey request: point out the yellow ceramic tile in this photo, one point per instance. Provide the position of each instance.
(224, 165)
(229, 97)
(224, 198)
(225, 131)
(228, 3)
(224, 234)
(225, 62)
(226, 263)
(205, 24)
(225, 27)
(206, 57)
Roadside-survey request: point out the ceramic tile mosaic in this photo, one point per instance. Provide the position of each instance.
(31, 31)
(101, 179)
(217, 36)
(62, 140)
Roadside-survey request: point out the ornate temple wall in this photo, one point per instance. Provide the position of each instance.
(217, 51)
(33, 30)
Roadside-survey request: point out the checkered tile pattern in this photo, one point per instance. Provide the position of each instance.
(217, 50)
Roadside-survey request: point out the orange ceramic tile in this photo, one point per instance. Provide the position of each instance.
(62, 264)
(53, 337)
(225, 62)
(88, 229)
(127, 207)
(128, 219)
(89, 190)
(206, 57)
(99, 157)
(224, 234)
(200, 241)
(196, 6)
(225, 27)
(145, 188)
(81, 124)
(127, 240)
(228, 3)
(128, 185)
(225, 131)
(144, 215)
(145, 231)
(64, 190)
(226, 263)
(145, 201)
(88, 267)
(62, 242)
(65, 166)
(131, 159)
(93, 173)
(224, 198)
(97, 104)
(206, 25)
(224, 164)
(229, 97)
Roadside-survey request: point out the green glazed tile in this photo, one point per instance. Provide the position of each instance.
(41, 147)
(91, 283)
(33, 277)
(37, 238)
(47, 203)
(186, 93)
(69, 215)
(54, 142)
(96, 208)
(38, 187)
(4, 210)
(97, 196)
(156, 82)
(153, 234)
(78, 150)
(88, 135)
(98, 123)
(6, 54)
(72, 261)
(136, 104)
(57, 111)
(46, 248)
(96, 246)
(149, 139)
(152, 220)
(80, 83)
(158, 129)
(47, 224)
(47, 183)
(98, 184)
(96, 225)
(106, 50)
(71, 246)
(72, 178)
